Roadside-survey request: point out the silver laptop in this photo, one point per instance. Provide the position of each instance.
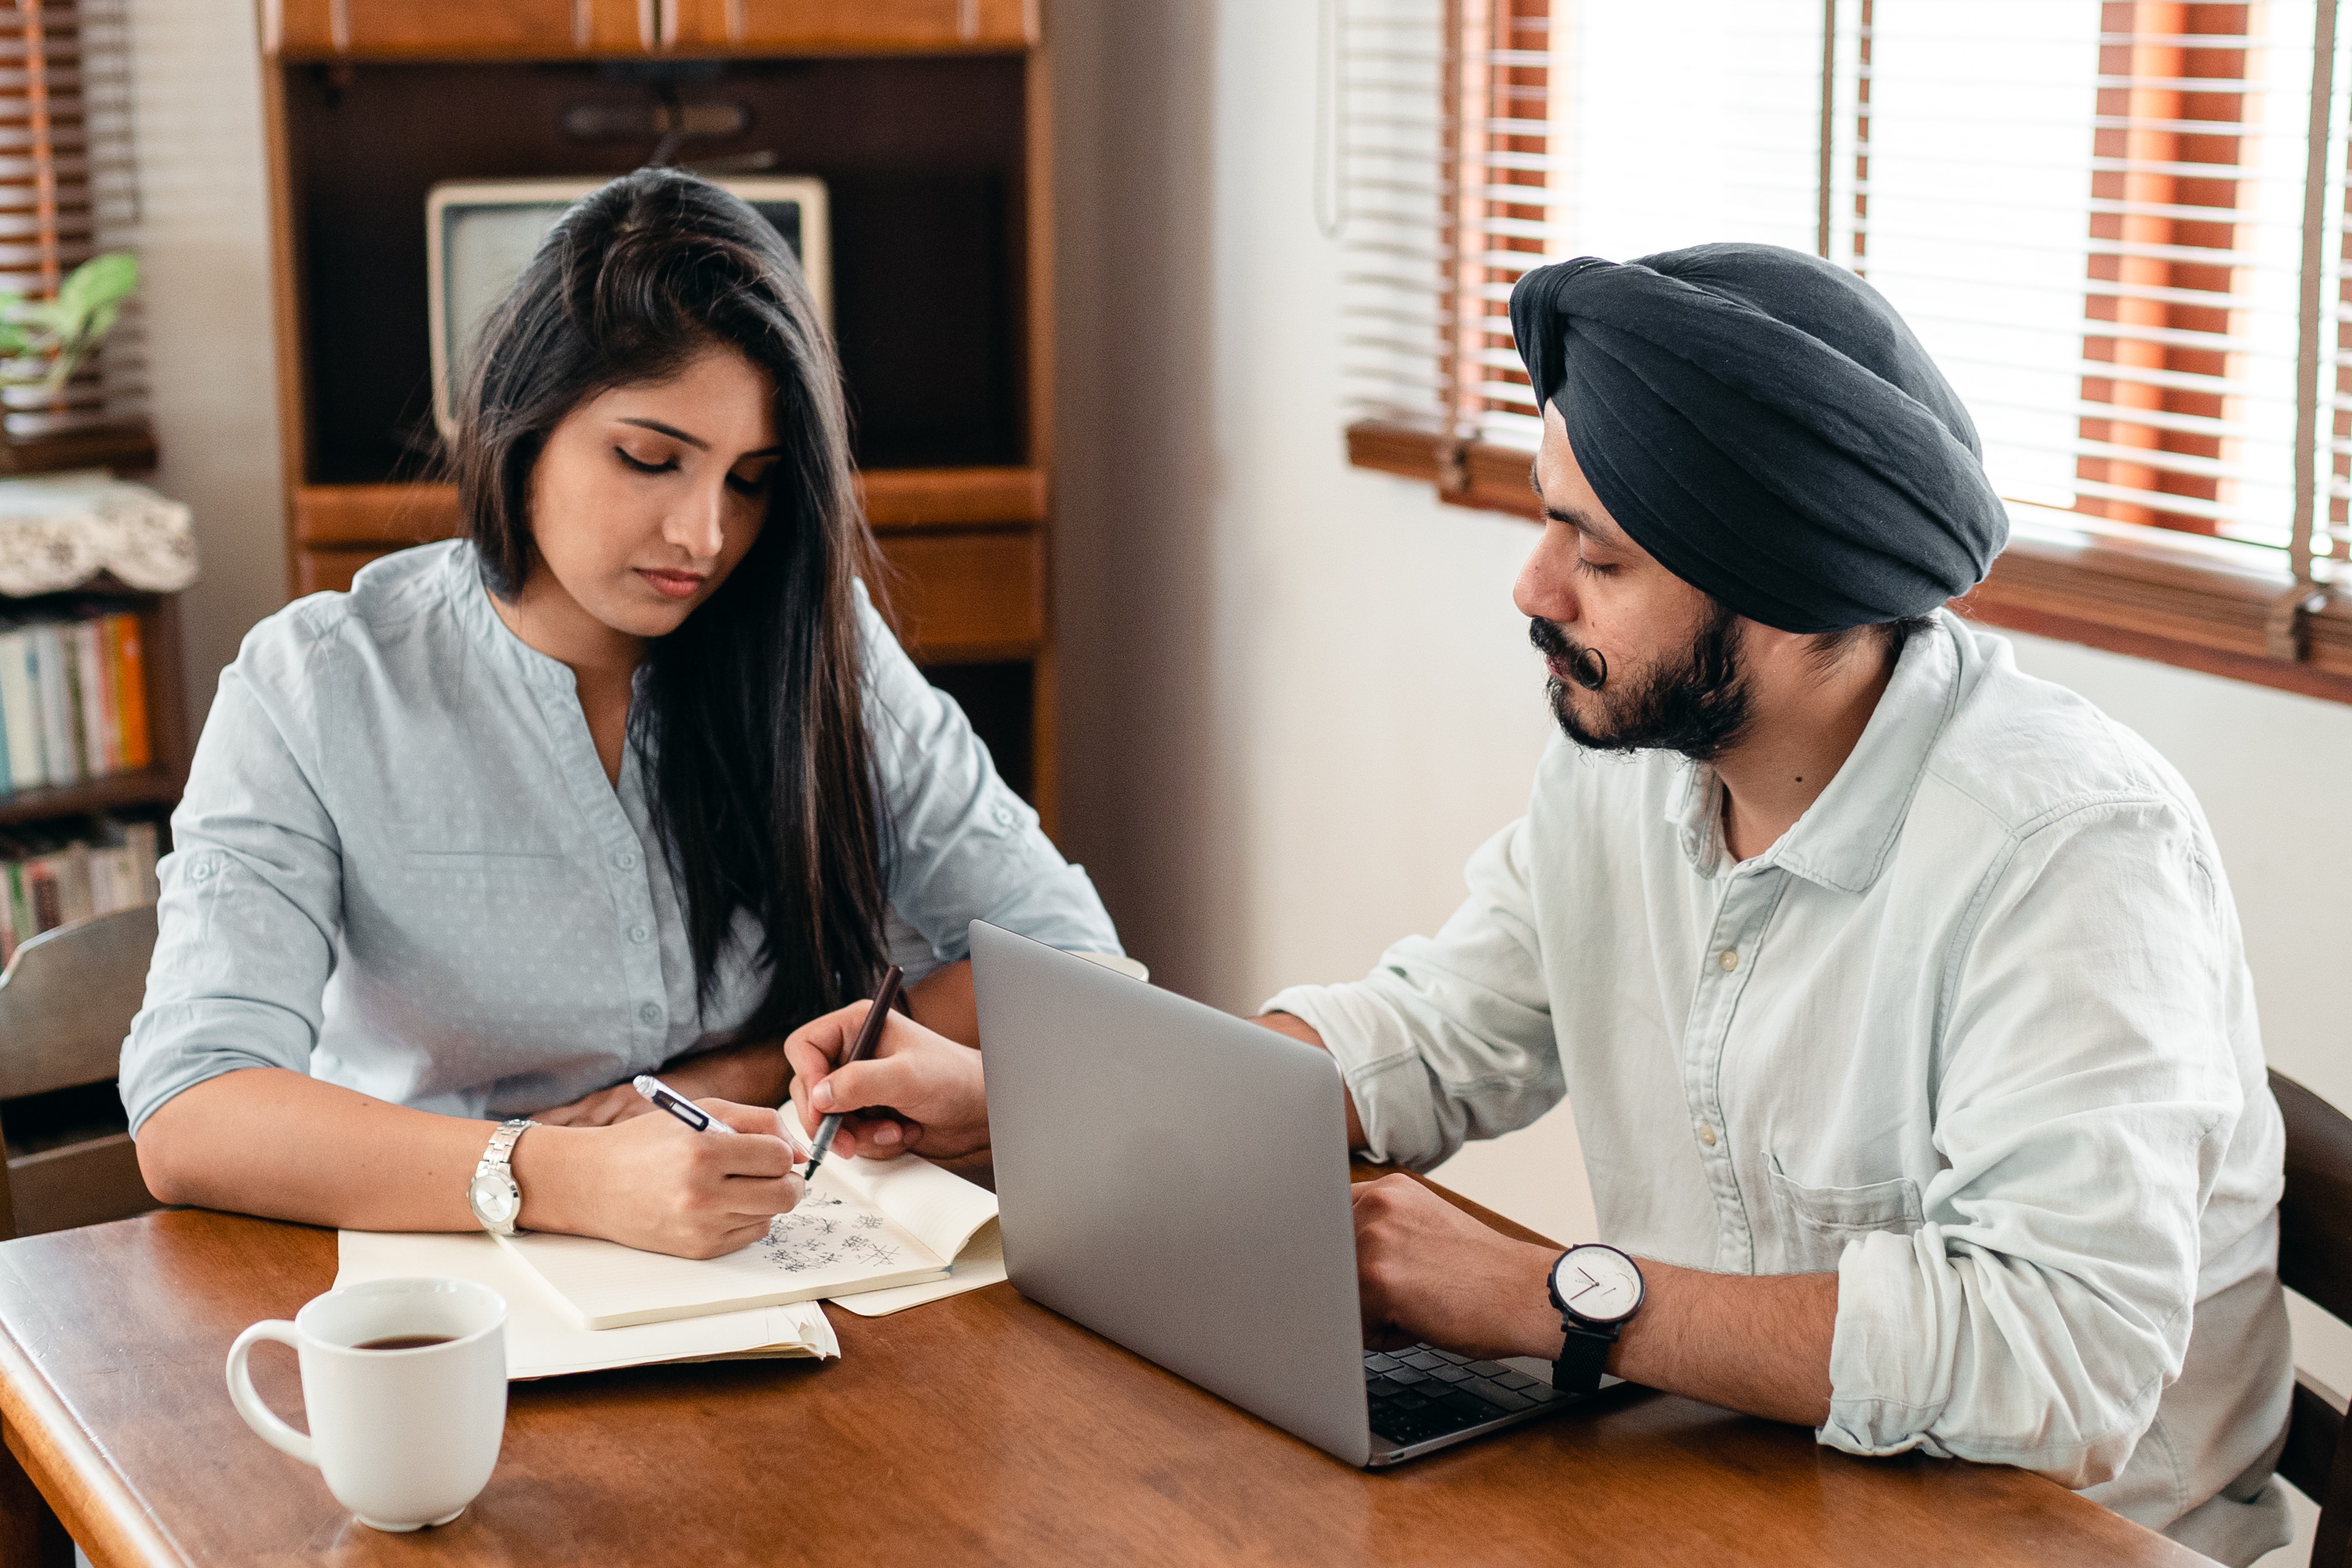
(1176, 1179)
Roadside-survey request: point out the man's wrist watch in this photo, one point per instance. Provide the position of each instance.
(492, 1193)
(1596, 1288)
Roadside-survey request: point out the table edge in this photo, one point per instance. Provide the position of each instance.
(98, 1508)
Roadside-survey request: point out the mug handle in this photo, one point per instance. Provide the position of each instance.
(257, 1415)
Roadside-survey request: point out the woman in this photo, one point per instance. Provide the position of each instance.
(631, 778)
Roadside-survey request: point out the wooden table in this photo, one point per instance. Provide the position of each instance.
(979, 1429)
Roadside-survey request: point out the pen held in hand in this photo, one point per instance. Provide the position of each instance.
(868, 1036)
(700, 1120)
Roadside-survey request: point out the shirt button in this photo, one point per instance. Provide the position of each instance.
(201, 871)
(649, 1013)
(638, 934)
(1731, 960)
(1705, 1133)
(1004, 818)
(626, 861)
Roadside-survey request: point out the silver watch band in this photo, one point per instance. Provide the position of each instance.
(493, 1192)
(502, 1142)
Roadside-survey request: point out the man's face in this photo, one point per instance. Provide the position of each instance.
(1673, 679)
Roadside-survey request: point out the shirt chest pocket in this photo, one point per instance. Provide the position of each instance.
(1816, 1222)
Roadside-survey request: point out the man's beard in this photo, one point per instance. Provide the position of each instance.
(1697, 706)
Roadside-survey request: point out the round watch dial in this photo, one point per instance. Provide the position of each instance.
(1599, 1283)
(496, 1201)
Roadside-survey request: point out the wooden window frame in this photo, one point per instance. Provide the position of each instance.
(2223, 612)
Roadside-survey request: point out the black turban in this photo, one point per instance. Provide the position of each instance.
(1763, 423)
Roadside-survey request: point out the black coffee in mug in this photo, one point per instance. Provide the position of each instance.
(405, 1341)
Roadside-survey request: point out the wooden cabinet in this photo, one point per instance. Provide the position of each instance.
(926, 120)
(556, 29)
(524, 29)
(830, 23)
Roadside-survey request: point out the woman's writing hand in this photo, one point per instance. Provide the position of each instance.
(654, 1184)
(920, 1091)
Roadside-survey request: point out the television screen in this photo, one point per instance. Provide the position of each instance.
(481, 233)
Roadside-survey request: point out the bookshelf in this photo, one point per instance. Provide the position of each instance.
(928, 122)
(154, 789)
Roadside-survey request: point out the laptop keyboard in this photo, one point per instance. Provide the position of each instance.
(1423, 1393)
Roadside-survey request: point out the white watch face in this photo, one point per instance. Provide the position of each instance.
(1599, 1282)
(495, 1197)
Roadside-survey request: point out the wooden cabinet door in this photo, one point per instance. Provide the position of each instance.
(849, 24)
(458, 29)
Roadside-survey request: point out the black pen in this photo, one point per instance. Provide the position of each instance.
(867, 1037)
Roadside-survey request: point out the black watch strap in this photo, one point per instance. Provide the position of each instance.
(1583, 1356)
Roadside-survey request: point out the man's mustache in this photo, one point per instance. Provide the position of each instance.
(1585, 665)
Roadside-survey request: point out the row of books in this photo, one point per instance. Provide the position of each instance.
(73, 698)
(46, 883)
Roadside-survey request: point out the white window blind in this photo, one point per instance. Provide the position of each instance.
(2116, 224)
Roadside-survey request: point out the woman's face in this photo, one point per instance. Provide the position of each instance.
(647, 496)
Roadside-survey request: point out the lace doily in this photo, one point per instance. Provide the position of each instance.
(59, 531)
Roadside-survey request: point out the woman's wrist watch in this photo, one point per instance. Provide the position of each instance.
(1596, 1288)
(495, 1198)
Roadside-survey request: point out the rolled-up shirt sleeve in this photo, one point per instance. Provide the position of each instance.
(963, 846)
(2087, 1094)
(1450, 1038)
(251, 896)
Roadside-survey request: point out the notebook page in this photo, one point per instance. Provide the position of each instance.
(837, 1242)
(940, 1208)
(982, 1262)
(542, 1340)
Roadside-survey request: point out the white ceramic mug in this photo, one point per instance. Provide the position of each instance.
(405, 1436)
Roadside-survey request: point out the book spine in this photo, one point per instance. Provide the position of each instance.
(42, 893)
(19, 892)
(140, 838)
(89, 666)
(131, 691)
(7, 916)
(58, 747)
(7, 773)
(112, 885)
(20, 709)
(73, 883)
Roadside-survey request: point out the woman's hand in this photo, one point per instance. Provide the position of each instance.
(751, 1074)
(654, 1184)
(919, 1091)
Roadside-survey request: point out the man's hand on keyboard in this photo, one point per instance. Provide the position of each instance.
(1426, 1271)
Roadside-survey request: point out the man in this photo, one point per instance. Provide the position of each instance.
(1899, 995)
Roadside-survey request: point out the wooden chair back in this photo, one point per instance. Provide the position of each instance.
(2315, 1260)
(67, 1000)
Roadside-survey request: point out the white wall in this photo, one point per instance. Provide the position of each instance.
(204, 249)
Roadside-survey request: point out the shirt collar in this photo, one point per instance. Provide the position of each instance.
(470, 598)
(1844, 836)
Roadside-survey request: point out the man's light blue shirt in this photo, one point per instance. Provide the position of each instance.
(399, 865)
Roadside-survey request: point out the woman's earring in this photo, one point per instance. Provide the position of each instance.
(1590, 668)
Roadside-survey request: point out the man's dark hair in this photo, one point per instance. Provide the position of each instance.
(751, 715)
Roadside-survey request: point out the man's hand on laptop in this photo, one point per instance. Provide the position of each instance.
(1425, 1271)
(919, 1092)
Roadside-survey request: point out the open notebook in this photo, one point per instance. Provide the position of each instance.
(543, 1338)
(866, 1225)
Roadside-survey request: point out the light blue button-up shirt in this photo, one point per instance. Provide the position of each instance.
(399, 865)
(1976, 1034)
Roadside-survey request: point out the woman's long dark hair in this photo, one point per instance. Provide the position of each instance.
(751, 713)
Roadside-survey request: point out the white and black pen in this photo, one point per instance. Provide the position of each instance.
(702, 1121)
(677, 1105)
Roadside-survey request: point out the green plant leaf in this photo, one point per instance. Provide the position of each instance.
(100, 281)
